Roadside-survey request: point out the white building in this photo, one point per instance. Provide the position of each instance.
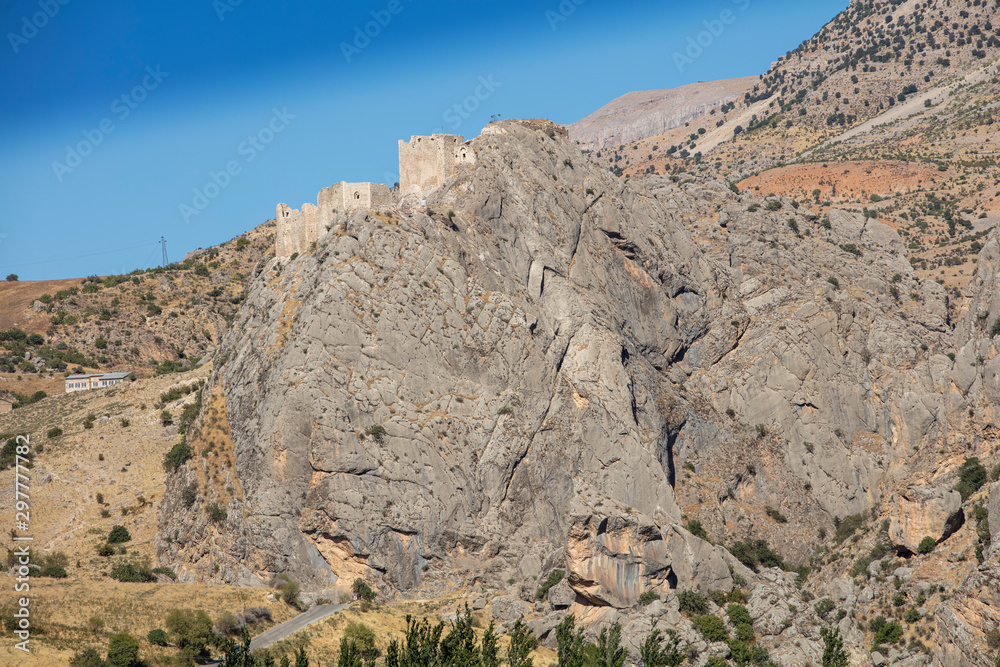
(94, 381)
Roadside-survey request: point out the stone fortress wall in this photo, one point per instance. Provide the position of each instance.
(425, 163)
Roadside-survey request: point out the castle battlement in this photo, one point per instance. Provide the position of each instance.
(425, 163)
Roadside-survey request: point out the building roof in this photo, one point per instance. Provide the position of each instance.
(83, 377)
(102, 376)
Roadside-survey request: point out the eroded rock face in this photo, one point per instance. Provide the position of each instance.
(475, 388)
(920, 512)
(528, 376)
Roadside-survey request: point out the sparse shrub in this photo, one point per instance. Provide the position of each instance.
(776, 515)
(971, 476)
(123, 651)
(118, 535)
(88, 657)
(376, 433)
(54, 432)
(177, 455)
(95, 624)
(824, 607)
(255, 615)
(228, 624)
(190, 494)
(692, 603)
(216, 514)
(132, 571)
(927, 545)
(363, 637)
(712, 628)
(695, 528)
(555, 576)
(191, 630)
(833, 281)
(157, 637)
(648, 596)
(363, 591)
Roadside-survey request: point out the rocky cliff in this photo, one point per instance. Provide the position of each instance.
(549, 368)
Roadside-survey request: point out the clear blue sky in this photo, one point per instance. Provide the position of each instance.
(155, 97)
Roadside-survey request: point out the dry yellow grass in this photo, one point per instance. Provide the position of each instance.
(63, 609)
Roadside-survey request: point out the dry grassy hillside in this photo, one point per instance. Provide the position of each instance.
(159, 320)
(890, 108)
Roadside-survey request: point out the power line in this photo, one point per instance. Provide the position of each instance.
(163, 244)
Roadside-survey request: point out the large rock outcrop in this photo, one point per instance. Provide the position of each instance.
(485, 387)
(550, 368)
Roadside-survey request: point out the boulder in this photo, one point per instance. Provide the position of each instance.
(509, 608)
(561, 595)
(924, 511)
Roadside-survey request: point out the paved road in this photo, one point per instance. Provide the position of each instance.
(288, 628)
(279, 632)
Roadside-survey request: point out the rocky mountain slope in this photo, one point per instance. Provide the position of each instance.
(552, 369)
(164, 319)
(641, 114)
(895, 87)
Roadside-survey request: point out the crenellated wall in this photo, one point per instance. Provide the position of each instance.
(424, 164)
(297, 229)
(427, 162)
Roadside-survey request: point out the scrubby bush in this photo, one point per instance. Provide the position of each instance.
(362, 590)
(177, 455)
(971, 476)
(647, 597)
(157, 637)
(692, 603)
(123, 651)
(132, 571)
(118, 535)
(927, 545)
(254, 615)
(712, 628)
(216, 513)
(191, 630)
(555, 576)
(88, 657)
(54, 432)
(824, 607)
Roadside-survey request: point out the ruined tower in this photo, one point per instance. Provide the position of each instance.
(427, 162)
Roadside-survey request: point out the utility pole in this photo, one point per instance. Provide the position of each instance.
(163, 245)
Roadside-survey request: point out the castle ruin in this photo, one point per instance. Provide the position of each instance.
(425, 163)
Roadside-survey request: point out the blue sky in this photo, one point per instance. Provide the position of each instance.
(120, 122)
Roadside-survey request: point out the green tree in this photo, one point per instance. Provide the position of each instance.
(609, 647)
(459, 648)
(192, 630)
(570, 650)
(927, 545)
(123, 651)
(661, 651)
(350, 655)
(118, 535)
(364, 640)
(489, 654)
(88, 657)
(522, 643)
(157, 636)
(834, 654)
